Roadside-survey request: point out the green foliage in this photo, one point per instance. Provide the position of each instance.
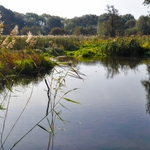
(70, 100)
(107, 24)
(134, 46)
(89, 47)
(42, 43)
(24, 62)
(20, 43)
(131, 31)
(113, 25)
(87, 53)
(90, 30)
(85, 21)
(46, 62)
(126, 47)
(57, 31)
(23, 66)
(67, 43)
(143, 25)
(34, 29)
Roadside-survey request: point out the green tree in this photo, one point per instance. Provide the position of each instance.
(53, 22)
(57, 31)
(35, 30)
(69, 26)
(85, 21)
(130, 23)
(31, 19)
(101, 29)
(131, 31)
(91, 30)
(79, 30)
(103, 17)
(142, 25)
(19, 20)
(113, 25)
(7, 17)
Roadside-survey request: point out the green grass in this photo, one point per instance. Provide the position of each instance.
(23, 62)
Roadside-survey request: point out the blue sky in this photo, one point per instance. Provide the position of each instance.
(75, 8)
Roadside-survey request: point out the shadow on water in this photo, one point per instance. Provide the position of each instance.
(113, 67)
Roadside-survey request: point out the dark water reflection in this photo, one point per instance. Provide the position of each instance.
(113, 115)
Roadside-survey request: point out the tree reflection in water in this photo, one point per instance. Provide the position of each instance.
(114, 66)
(146, 84)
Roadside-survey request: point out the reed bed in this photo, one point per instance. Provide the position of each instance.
(27, 54)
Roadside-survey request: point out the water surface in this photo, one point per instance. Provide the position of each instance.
(113, 114)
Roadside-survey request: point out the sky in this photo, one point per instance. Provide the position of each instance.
(76, 8)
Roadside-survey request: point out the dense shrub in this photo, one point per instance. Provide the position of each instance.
(126, 47)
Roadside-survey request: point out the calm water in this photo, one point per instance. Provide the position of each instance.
(114, 113)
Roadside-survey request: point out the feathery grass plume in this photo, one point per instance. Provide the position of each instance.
(5, 42)
(11, 44)
(32, 41)
(1, 25)
(8, 44)
(15, 31)
(29, 37)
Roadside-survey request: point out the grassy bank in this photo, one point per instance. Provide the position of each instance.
(23, 62)
(138, 46)
(31, 54)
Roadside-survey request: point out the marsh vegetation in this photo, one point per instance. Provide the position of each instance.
(30, 54)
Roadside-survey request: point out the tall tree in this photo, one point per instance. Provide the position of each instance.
(54, 22)
(103, 17)
(9, 19)
(142, 25)
(146, 2)
(84, 21)
(57, 31)
(114, 24)
(31, 19)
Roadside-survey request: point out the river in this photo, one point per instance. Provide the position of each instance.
(108, 108)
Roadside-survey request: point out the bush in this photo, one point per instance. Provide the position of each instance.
(23, 66)
(126, 47)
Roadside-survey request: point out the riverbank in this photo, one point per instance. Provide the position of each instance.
(32, 54)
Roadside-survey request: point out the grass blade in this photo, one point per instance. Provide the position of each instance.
(72, 101)
(43, 128)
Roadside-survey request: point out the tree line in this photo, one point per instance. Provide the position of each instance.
(110, 23)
